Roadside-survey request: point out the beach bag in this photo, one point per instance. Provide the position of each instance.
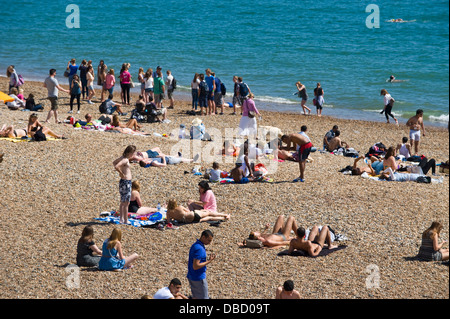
(66, 73)
(253, 243)
(174, 84)
(102, 108)
(20, 81)
(251, 114)
(39, 135)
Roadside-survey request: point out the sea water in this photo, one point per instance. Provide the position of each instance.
(272, 44)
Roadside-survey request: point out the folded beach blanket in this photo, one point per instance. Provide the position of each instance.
(136, 221)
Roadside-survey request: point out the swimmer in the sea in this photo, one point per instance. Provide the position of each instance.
(392, 79)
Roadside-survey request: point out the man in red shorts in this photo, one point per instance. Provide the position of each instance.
(302, 144)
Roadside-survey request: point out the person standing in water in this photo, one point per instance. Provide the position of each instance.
(303, 95)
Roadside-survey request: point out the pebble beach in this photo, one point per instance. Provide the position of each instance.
(51, 190)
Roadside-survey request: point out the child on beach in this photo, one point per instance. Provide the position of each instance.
(112, 257)
(88, 254)
(122, 165)
(214, 175)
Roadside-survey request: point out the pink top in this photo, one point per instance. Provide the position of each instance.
(210, 200)
(125, 77)
(110, 81)
(20, 96)
(249, 105)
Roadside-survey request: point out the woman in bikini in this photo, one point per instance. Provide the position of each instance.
(280, 235)
(11, 132)
(135, 205)
(34, 125)
(184, 215)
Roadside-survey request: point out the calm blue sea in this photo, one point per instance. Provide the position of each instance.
(270, 43)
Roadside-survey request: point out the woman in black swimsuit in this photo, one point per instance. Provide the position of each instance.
(135, 205)
(34, 125)
(11, 132)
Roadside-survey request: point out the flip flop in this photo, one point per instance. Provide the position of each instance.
(298, 180)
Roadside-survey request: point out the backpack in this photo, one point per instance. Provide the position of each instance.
(223, 89)
(204, 88)
(174, 83)
(102, 108)
(243, 89)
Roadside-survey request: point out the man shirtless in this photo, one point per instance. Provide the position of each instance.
(287, 291)
(415, 123)
(315, 242)
(151, 153)
(336, 142)
(302, 144)
(280, 235)
(184, 215)
(122, 165)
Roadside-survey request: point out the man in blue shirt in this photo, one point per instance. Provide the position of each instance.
(209, 79)
(197, 266)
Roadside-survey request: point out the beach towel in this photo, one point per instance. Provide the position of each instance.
(263, 179)
(136, 221)
(323, 252)
(28, 139)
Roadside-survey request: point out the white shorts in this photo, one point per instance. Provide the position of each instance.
(414, 135)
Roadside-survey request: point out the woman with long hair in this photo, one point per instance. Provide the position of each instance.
(194, 91)
(112, 254)
(88, 254)
(148, 86)
(34, 125)
(431, 249)
(90, 83)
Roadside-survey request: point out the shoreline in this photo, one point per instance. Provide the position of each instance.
(184, 95)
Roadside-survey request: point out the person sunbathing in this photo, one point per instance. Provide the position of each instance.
(131, 124)
(162, 160)
(34, 125)
(373, 168)
(280, 235)
(315, 242)
(11, 132)
(151, 153)
(184, 215)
